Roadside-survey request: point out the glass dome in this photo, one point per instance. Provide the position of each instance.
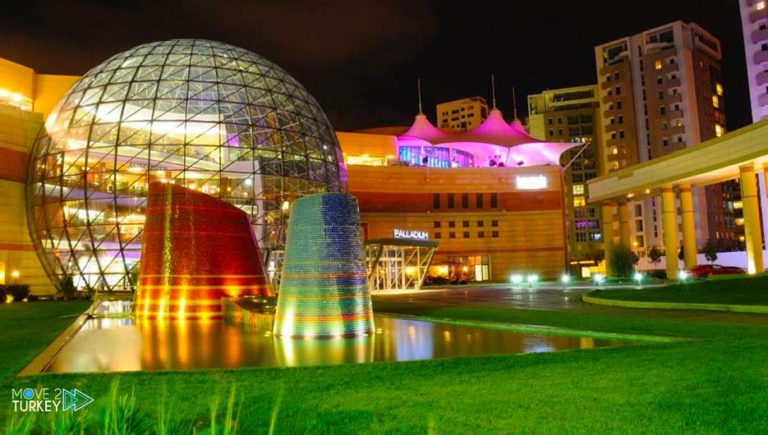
(201, 114)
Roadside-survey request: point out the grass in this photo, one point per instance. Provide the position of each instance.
(716, 383)
(734, 291)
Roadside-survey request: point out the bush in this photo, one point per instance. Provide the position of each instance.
(67, 287)
(622, 261)
(657, 273)
(18, 291)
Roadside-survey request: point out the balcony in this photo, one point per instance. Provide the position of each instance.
(676, 98)
(675, 130)
(762, 100)
(670, 67)
(756, 16)
(761, 56)
(762, 78)
(672, 83)
(759, 35)
(674, 114)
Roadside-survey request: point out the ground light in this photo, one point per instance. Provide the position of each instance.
(516, 279)
(639, 278)
(682, 275)
(532, 279)
(565, 279)
(599, 278)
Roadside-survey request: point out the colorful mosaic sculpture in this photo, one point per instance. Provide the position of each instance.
(197, 249)
(324, 291)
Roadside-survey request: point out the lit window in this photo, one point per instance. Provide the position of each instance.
(578, 189)
(719, 89)
(578, 201)
(715, 102)
(737, 204)
(760, 6)
(719, 130)
(614, 150)
(658, 64)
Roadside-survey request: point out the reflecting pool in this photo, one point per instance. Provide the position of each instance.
(126, 344)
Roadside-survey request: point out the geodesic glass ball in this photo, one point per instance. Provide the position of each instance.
(200, 114)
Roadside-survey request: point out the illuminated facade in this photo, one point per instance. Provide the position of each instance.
(196, 250)
(199, 114)
(324, 291)
(462, 115)
(25, 97)
(661, 91)
(490, 196)
(572, 115)
(754, 24)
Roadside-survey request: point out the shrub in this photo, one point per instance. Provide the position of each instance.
(67, 287)
(18, 291)
(622, 261)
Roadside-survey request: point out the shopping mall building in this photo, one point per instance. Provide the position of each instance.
(485, 202)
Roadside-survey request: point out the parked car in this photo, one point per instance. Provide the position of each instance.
(704, 271)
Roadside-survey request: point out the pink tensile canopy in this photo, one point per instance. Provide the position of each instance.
(493, 138)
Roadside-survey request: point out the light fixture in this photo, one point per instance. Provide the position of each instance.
(682, 275)
(516, 278)
(639, 277)
(532, 278)
(565, 278)
(599, 278)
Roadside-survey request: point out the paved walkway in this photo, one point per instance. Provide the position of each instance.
(551, 297)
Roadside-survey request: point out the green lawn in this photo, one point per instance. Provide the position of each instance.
(715, 383)
(734, 291)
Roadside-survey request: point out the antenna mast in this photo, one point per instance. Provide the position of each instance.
(493, 89)
(418, 85)
(514, 103)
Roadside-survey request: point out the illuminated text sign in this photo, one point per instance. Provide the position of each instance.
(411, 234)
(531, 182)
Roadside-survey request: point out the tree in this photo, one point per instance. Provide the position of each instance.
(654, 255)
(67, 287)
(710, 251)
(622, 261)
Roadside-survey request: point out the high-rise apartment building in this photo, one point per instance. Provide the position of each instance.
(463, 114)
(754, 24)
(660, 91)
(572, 115)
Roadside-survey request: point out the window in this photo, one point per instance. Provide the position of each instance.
(465, 224)
(621, 119)
(659, 80)
(662, 110)
(494, 234)
(494, 223)
(451, 224)
(616, 75)
(618, 105)
(715, 102)
(438, 235)
(719, 89)
(436, 224)
(481, 234)
(719, 130)
(618, 90)
(464, 200)
(436, 200)
(479, 200)
(549, 121)
(451, 235)
(466, 234)
(657, 64)
(639, 225)
(480, 224)
(494, 200)
(578, 189)
(760, 5)
(578, 201)
(450, 200)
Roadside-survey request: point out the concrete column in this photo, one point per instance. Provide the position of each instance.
(752, 228)
(669, 230)
(624, 237)
(606, 215)
(689, 227)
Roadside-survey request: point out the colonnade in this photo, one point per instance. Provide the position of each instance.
(750, 208)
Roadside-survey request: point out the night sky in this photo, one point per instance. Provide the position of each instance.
(361, 59)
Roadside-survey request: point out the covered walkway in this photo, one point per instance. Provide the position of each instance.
(740, 154)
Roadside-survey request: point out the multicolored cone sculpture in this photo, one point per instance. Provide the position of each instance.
(196, 250)
(324, 291)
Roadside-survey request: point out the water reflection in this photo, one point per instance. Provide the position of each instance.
(106, 345)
